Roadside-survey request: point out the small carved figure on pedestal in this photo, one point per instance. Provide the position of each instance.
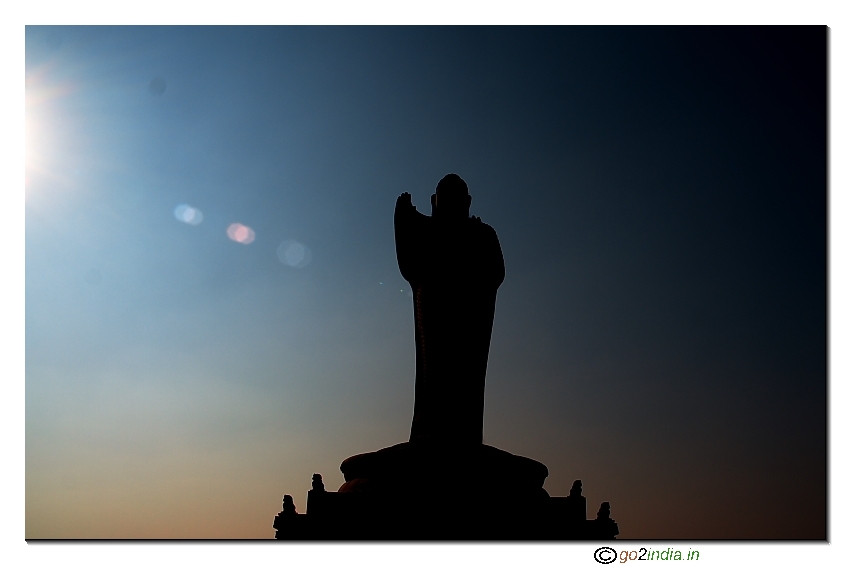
(606, 527)
(576, 504)
(285, 521)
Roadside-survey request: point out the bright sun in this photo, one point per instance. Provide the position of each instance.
(42, 122)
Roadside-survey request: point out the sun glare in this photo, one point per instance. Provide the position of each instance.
(42, 122)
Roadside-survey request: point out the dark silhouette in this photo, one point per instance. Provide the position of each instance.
(576, 504)
(454, 265)
(605, 526)
(288, 522)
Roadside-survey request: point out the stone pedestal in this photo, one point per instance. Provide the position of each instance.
(422, 466)
(421, 491)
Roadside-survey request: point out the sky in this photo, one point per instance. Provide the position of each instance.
(214, 311)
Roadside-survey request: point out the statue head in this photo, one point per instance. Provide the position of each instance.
(452, 199)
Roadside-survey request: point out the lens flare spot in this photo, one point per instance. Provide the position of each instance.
(240, 233)
(188, 214)
(294, 254)
(157, 86)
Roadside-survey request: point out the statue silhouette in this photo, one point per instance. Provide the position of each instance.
(454, 265)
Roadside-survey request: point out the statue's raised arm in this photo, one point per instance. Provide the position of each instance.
(410, 227)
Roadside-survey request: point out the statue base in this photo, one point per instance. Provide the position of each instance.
(426, 491)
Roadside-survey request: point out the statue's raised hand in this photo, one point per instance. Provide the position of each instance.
(404, 201)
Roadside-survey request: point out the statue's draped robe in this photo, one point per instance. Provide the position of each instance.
(454, 268)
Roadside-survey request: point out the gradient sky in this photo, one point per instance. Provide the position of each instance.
(660, 197)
